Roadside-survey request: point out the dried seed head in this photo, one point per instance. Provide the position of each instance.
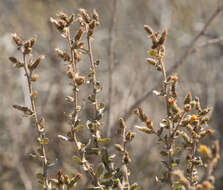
(148, 29)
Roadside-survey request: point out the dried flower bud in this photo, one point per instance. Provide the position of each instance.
(129, 136)
(32, 41)
(198, 105)
(27, 50)
(59, 24)
(17, 39)
(95, 15)
(79, 34)
(79, 80)
(63, 16)
(148, 29)
(188, 98)
(33, 65)
(66, 179)
(149, 123)
(70, 72)
(126, 158)
(62, 54)
(163, 37)
(151, 61)
(122, 123)
(187, 107)
(33, 95)
(118, 147)
(93, 24)
(204, 111)
(85, 15)
(205, 133)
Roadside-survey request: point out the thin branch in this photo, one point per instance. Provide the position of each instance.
(41, 135)
(111, 55)
(206, 44)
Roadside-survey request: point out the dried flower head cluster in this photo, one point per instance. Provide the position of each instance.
(181, 131)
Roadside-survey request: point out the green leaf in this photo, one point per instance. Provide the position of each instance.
(43, 141)
(164, 153)
(92, 151)
(39, 176)
(77, 160)
(99, 170)
(78, 128)
(104, 140)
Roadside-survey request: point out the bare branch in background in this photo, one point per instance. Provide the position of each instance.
(111, 55)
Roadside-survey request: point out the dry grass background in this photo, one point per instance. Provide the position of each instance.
(201, 74)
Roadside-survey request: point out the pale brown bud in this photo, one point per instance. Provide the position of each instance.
(148, 29)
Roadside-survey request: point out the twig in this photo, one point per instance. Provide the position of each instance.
(206, 44)
(110, 63)
(41, 135)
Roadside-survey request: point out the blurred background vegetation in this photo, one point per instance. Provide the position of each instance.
(202, 74)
